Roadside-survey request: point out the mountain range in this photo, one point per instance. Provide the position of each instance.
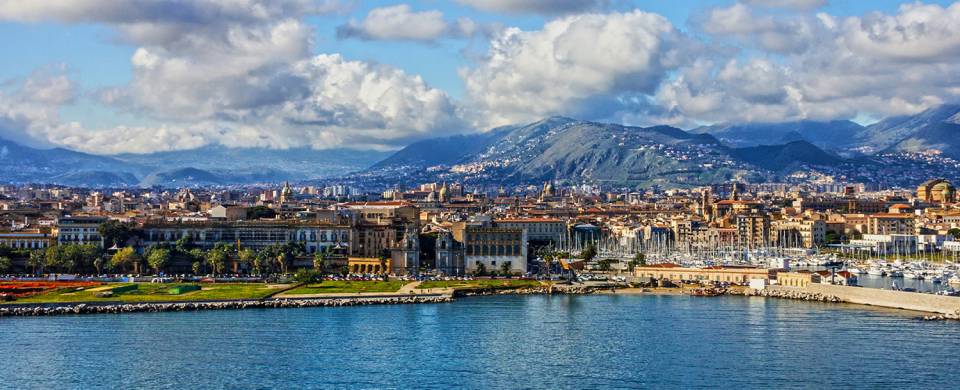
(555, 148)
(210, 165)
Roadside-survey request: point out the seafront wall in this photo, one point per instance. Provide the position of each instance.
(946, 305)
(118, 307)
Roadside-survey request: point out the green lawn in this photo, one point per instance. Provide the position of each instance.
(148, 292)
(347, 286)
(480, 283)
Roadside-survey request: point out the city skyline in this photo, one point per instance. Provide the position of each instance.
(147, 76)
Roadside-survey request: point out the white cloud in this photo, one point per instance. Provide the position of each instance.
(919, 32)
(239, 73)
(877, 65)
(537, 6)
(770, 32)
(575, 65)
(400, 22)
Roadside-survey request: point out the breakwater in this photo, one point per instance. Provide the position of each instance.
(941, 307)
(792, 294)
(541, 290)
(152, 307)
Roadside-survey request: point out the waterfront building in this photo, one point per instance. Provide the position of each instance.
(448, 254)
(797, 279)
(27, 238)
(720, 274)
(368, 265)
(538, 229)
(314, 236)
(79, 230)
(886, 244)
(495, 249)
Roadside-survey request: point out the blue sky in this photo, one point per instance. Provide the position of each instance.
(95, 54)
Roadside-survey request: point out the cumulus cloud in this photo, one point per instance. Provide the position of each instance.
(575, 65)
(240, 73)
(400, 22)
(636, 68)
(537, 6)
(769, 32)
(879, 65)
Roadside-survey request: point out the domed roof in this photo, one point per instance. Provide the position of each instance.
(943, 186)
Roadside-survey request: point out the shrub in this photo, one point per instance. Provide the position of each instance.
(307, 276)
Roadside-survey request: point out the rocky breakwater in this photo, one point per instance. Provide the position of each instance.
(540, 290)
(942, 317)
(117, 308)
(792, 294)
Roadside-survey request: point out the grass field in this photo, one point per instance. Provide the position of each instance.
(480, 283)
(347, 286)
(151, 292)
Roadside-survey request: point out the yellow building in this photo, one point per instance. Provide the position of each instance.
(368, 265)
(676, 272)
(797, 279)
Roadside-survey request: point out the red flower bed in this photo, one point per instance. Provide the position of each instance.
(25, 289)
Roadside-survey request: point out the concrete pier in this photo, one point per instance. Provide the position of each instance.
(929, 303)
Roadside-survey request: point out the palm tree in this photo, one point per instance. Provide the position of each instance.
(36, 261)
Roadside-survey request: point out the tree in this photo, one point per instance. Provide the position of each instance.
(98, 264)
(283, 260)
(638, 260)
(320, 260)
(258, 212)
(605, 264)
(196, 267)
(37, 261)
(246, 257)
(116, 233)
(5, 264)
(260, 264)
(589, 252)
(505, 268)
(124, 259)
(307, 276)
(217, 259)
(955, 232)
(54, 257)
(158, 259)
(481, 269)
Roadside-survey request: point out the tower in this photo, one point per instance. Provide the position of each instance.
(407, 258)
(286, 194)
(443, 192)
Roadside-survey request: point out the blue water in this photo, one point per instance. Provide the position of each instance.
(589, 342)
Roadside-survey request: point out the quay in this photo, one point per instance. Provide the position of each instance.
(941, 306)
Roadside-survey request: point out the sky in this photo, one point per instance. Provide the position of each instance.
(141, 76)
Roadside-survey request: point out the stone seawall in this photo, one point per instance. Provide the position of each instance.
(947, 306)
(543, 290)
(115, 308)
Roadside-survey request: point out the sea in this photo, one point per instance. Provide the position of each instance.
(496, 342)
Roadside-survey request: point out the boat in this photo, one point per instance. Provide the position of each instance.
(955, 279)
(910, 275)
(895, 274)
(876, 272)
(857, 271)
